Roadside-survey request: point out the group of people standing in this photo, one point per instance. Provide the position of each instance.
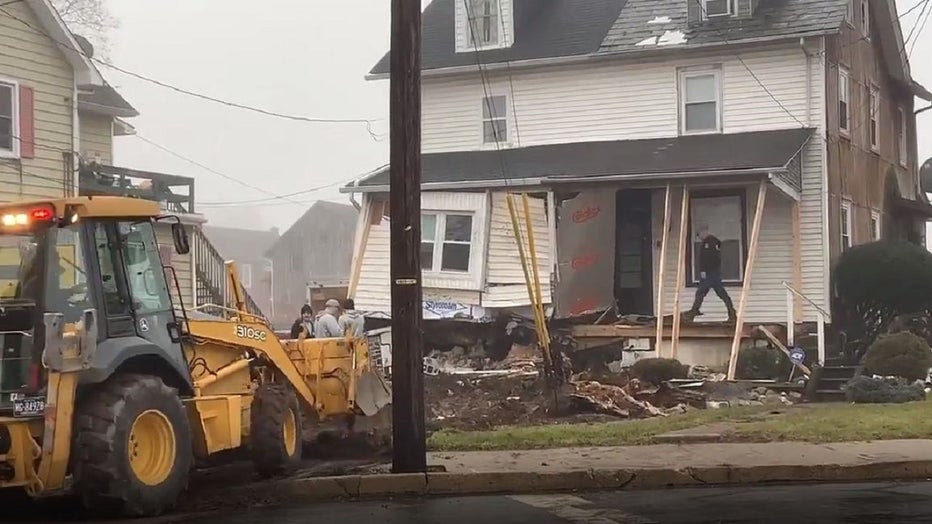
(334, 321)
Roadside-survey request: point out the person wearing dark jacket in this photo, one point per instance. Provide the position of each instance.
(304, 323)
(710, 276)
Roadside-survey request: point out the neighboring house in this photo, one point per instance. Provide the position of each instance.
(312, 259)
(246, 247)
(58, 119)
(598, 106)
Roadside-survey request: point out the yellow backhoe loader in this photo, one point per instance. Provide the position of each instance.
(111, 389)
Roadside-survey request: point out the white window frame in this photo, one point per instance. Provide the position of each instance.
(865, 19)
(473, 21)
(902, 149)
(846, 225)
(505, 118)
(245, 275)
(682, 76)
(876, 227)
(729, 10)
(742, 239)
(873, 110)
(844, 97)
(14, 151)
(440, 243)
(849, 13)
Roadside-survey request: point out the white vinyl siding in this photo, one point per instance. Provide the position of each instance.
(774, 264)
(33, 60)
(96, 138)
(503, 283)
(616, 100)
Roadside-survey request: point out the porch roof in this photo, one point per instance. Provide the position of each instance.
(693, 155)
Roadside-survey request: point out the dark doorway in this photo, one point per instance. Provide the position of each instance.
(634, 279)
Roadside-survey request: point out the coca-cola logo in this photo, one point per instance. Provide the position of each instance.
(584, 261)
(584, 215)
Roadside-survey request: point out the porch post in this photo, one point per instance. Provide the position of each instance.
(748, 270)
(680, 274)
(661, 270)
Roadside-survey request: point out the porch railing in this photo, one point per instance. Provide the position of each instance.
(822, 317)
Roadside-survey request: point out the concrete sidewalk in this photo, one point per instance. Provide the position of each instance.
(688, 456)
(609, 468)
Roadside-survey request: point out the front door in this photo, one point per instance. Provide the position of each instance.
(634, 280)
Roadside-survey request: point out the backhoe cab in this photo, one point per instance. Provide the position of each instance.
(110, 389)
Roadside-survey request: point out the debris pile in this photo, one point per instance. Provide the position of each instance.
(634, 400)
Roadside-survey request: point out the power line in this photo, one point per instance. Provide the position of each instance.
(912, 45)
(212, 170)
(368, 123)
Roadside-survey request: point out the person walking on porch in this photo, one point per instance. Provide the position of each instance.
(710, 275)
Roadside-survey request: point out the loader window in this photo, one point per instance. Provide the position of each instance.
(108, 261)
(144, 268)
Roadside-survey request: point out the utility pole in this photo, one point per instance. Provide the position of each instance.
(409, 448)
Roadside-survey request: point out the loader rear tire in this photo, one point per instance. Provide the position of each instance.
(132, 453)
(275, 432)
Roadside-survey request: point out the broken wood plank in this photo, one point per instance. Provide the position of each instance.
(661, 270)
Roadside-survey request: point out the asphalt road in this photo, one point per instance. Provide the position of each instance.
(842, 503)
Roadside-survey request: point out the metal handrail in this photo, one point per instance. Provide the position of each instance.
(808, 300)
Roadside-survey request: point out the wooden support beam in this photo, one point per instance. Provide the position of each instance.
(661, 270)
(779, 345)
(680, 274)
(797, 263)
(748, 274)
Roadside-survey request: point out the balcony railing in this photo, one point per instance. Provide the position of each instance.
(173, 192)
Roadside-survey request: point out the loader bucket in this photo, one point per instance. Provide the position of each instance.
(372, 393)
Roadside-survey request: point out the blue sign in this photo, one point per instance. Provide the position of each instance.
(797, 355)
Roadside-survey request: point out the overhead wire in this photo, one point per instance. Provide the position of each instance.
(300, 118)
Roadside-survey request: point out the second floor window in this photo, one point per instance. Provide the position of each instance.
(874, 108)
(700, 97)
(846, 226)
(446, 242)
(7, 118)
(902, 150)
(483, 22)
(875, 226)
(494, 119)
(843, 90)
(865, 19)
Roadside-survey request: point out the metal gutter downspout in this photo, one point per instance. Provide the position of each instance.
(352, 196)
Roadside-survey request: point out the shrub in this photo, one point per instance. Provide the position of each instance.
(874, 283)
(869, 390)
(656, 371)
(899, 355)
(762, 363)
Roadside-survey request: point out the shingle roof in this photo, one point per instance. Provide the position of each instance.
(108, 100)
(685, 154)
(242, 245)
(543, 29)
(645, 24)
(562, 28)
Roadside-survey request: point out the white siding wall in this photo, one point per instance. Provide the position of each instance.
(33, 60)
(767, 300)
(506, 286)
(503, 283)
(812, 220)
(613, 100)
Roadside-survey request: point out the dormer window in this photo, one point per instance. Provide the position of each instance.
(484, 23)
(717, 8)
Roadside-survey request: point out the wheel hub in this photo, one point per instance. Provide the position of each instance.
(151, 447)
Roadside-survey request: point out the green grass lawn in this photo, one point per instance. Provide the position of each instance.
(835, 423)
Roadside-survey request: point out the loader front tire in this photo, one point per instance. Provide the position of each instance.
(132, 452)
(275, 432)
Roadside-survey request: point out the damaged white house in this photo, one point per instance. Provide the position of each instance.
(608, 112)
